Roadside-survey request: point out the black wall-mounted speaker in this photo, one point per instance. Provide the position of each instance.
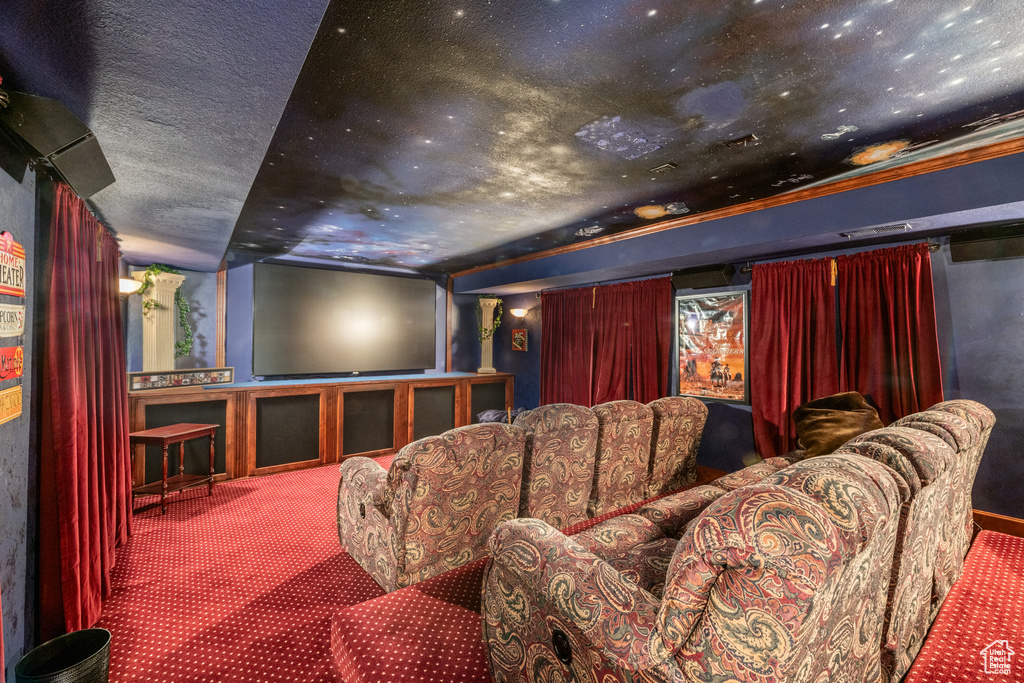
(993, 242)
(706, 276)
(49, 130)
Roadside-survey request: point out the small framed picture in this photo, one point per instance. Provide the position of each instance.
(142, 381)
(519, 340)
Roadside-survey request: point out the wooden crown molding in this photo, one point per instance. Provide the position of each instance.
(939, 163)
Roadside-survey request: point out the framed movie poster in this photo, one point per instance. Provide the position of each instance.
(711, 330)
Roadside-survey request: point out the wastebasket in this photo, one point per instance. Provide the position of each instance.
(77, 657)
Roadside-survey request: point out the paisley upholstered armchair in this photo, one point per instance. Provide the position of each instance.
(785, 580)
(435, 508)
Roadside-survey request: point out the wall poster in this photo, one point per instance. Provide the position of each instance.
(711, 331)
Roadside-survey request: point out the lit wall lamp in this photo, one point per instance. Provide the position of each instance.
(128, 286)
(519, 312)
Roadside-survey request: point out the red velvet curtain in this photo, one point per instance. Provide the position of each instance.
(613, 340)
(606, 343)
(792, 346)
(567, 346)
(84, 433)
(652, 326)
(890, 348)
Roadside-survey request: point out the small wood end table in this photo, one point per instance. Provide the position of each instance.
(164, 437)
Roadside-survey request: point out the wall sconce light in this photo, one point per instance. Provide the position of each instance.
(128, 286)
(519, 312)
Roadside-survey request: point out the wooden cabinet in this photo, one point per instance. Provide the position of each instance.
(279, 426)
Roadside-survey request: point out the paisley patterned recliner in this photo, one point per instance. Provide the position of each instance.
(558, 470)
(435, 508)
(676, 433)
(781, 581)
(925, 464)
(623, 456)
(954, 535)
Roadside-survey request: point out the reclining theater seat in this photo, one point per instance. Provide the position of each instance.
(676, 433)
(435, 508)
(954, 536)
(925, 464)
(623, 454)
(784, 581)
(558, 465)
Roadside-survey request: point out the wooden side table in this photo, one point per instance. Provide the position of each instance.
(164, 437)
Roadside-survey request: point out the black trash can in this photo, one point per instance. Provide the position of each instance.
(78, 657)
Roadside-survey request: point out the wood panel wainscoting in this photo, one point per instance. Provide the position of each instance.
(279, 426)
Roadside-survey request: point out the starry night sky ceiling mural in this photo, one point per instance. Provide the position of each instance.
(437, 136)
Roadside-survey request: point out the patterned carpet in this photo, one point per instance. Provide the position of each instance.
(243, 587)
(979, 632)
(238, 587)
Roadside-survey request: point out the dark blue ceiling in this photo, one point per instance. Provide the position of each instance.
(445, 135)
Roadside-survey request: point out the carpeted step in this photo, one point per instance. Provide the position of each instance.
(978, 634)
(424, 633)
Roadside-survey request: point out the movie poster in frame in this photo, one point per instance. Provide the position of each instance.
(711, 333)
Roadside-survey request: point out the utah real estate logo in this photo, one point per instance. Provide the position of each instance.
(997, 656)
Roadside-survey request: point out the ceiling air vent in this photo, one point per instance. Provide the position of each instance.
(882, 230)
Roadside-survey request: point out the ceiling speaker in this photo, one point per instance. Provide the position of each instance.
(706, 276)
(50, 131)
(994, 242)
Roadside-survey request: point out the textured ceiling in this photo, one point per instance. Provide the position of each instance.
(183, 96)
(437, 136)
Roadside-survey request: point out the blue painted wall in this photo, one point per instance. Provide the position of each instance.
(18, 462)
(525, 365)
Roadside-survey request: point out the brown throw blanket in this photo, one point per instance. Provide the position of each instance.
(825, 424)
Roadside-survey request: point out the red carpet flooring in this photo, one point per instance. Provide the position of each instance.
(238, 587)
(243, 587)
(979, 632)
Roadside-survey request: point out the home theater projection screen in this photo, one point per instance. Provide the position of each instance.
(312, 321)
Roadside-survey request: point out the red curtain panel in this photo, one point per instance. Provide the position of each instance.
(651, 312)
(567, 346)
(606, 343)
(84, 432)
(792, 347)
(613, 340)
(890, 348)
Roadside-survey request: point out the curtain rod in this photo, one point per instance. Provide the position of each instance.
(932, 246)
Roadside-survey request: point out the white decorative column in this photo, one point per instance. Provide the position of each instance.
(161, 323)
(487, 307)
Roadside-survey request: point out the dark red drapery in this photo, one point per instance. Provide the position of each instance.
(890, 348)
(613, 338)
(84, 433)
(651, 310)
(606, 343)
(567, 346)
(792, 346)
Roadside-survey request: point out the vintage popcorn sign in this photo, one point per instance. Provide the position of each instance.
(12, 320)
(12, 362)
(12, 266)
(10, 404)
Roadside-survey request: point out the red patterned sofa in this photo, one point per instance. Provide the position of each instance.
(436, 506)
(558, 469)
(677, 428)
(784, 580)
